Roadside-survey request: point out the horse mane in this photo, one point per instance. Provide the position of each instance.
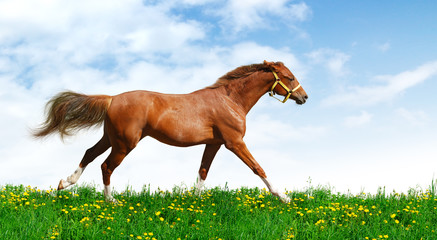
(242, 71)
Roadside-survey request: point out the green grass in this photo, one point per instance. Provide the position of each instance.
(316, 213)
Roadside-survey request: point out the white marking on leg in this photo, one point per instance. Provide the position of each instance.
(275, 192)
(75, 176)
(199, 185)
(107, 190)
(108, 196)
(72, 179)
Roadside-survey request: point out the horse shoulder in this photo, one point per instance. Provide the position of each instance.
(230, 119)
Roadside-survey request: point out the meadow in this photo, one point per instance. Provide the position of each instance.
(315, 213)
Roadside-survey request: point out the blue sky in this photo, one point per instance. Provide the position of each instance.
(369, 68)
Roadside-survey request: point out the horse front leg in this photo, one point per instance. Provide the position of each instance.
(239, 148)
(208, 155)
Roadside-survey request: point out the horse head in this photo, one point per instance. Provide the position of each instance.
(286, 83)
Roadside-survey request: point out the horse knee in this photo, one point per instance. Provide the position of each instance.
(106, 173)
(232, 146)
(203, 173)
(259, 171)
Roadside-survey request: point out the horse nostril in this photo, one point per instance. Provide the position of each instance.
(306, 97)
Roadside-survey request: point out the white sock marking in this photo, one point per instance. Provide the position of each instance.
(72, 179)
(199, 185)
(107, 192)
(275, 192)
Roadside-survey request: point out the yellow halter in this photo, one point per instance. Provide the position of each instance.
(278, 81)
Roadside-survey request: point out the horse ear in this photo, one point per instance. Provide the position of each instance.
(274, 66)
(271, 65)
(268, 63)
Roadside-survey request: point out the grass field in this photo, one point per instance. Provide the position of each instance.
(316, 213)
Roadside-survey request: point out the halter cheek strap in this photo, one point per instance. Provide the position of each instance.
(278, 81)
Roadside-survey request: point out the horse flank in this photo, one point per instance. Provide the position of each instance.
(68, 112)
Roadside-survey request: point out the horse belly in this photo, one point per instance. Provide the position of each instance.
(181, 130)
(182, 137)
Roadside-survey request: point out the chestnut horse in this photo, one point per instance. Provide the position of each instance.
(213, 116)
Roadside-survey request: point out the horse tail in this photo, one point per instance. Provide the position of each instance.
(68, 112)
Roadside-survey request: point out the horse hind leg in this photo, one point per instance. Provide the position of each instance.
(121, 147)
(208, 156)
(114, 160)
(92, 153)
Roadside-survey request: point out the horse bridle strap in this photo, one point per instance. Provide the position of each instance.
(278, 81)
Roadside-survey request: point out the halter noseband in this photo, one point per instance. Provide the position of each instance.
(278, 81)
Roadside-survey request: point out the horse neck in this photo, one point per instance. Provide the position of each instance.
(248, 90)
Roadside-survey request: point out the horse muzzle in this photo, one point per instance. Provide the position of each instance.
(301, 99)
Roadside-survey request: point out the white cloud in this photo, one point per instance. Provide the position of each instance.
(392, 86)
(81, 32)
(356, 121)
(266, 131)
(241, 15)
(414, 117)
(333, 60)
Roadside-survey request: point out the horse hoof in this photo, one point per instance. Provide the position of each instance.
(111, 200)
(61, 185)
(285, 199)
